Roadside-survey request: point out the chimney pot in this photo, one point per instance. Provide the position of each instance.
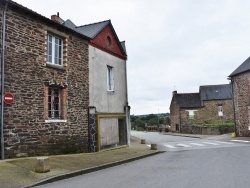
(174, 93)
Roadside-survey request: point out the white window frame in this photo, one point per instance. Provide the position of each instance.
(110, 78)
(191, 114)
(51, 105)
(54, 48)
(220, 110)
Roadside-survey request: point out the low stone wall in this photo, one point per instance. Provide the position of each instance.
(193, 129)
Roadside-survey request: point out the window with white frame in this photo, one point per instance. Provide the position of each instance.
(54, 103)
(110, 78)
(220, 110)
(54, 50)
(191, 114)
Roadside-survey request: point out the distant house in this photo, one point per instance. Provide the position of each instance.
(213, 104)
(240, 80)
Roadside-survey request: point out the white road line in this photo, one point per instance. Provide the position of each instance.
(183, 145)
(196, 144)
(224, 142)
(169, 146)
(244, 141)
(149, 145)
(211, 143)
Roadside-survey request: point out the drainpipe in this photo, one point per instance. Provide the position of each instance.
(232, 88)
(127, 107)
(2, 75)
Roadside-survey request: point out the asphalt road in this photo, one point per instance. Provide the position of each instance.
(220, 166)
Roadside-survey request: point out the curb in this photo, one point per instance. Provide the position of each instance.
(89, 170)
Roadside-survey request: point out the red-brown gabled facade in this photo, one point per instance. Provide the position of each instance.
(107, 41)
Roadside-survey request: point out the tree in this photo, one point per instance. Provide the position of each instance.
(139, 122)
(151, 116)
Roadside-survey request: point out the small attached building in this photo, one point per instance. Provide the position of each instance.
(109, 111)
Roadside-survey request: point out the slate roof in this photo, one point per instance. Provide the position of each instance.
(215, 92)
(209, 92)
(91, 30)
(124, 47)
(245, 66)
(189, 100)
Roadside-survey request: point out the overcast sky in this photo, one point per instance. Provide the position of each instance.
(171, 44)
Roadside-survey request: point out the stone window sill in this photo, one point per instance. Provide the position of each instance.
(55, 66)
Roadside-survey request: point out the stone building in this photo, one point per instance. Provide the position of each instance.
(213, 104)
(240, 80)
(48, 71)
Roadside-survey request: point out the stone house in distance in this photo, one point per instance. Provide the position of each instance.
(240, 80)
(48, 71)
(213, 104)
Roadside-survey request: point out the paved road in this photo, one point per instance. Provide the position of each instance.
(225, 166)
(178, 143)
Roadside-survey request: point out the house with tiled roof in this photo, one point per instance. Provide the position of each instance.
(212, 104)
(240, 78)
(69, 85)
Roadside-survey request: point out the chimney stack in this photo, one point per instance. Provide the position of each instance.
(174, 93)
(57, 19)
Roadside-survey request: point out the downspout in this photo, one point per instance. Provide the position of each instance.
(2, 76)
(232, 86)
(127, 107)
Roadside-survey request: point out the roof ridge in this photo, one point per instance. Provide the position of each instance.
(94, 23)
(188, 93)
(214, 85)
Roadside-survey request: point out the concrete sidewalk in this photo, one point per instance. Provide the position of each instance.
(20, 172)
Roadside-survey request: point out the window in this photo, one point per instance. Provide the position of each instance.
(191, 114)
(54, 104)
(220, 110)
(110, 78)
(54, 50)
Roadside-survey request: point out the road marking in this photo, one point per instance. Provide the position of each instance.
(196, 144)
(224, 142)
(211, 143)
(245, 141)
(183, 145)
(169, 146)
(149, 145)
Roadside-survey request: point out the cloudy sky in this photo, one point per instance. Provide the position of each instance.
(171, 44)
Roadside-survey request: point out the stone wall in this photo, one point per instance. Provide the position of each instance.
(174, 113)
(192, 129)
(241, 96)
(209, 113)
(26, 77)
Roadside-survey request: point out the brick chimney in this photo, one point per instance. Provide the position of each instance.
(57, 19)
(174, 93)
